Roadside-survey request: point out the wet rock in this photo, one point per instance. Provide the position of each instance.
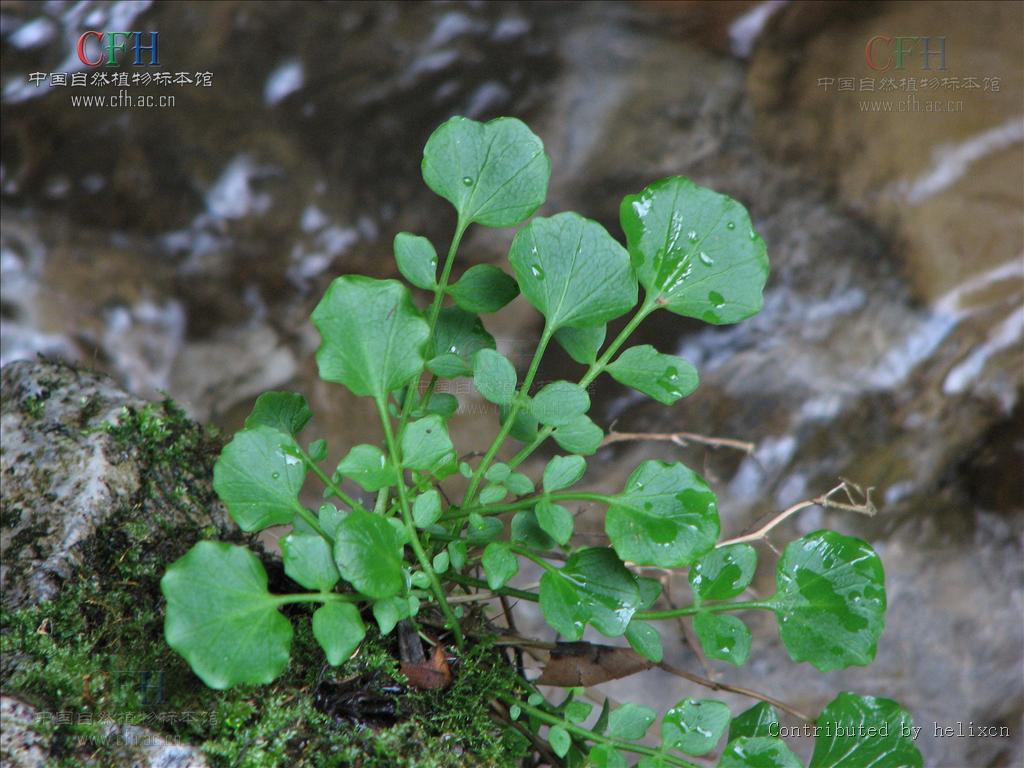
(67, 475)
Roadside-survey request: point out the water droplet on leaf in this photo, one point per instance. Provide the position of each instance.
(467, 180)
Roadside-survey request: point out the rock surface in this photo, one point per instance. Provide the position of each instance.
(64, 473)
(21, 746)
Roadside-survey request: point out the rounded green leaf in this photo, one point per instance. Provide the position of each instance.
(603, 756)
(286, 412)
(630, 721)
(526, 530)
(563, 472)
(830, 600)
(723, 572)
(579, 435)
(372, 337)
(694, 726)
(887, 744)
(665, 378)
(760, 720)
(500, 564)
(494, 173)
(457, 337)
(645, 640)
(308, 561)
(593, 587)
(368, 554)
(666, 516)
(221, 618)
(560, 403)
(494, 376)
(426, 445)
(258, 477)
(555, 520)
(426, 508)
(389, 611)
(559, 740)
(484, 288)
(582, 344)
(758, 752)
(519, 484)
(493, 493)
(695, 251)
(572, 271)
(369, 467)
(725, 638)
(417, 259)
(339, 629)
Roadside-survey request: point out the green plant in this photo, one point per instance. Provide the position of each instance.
(694, 253)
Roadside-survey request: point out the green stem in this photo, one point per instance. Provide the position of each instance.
(535, 558)
(689, 610)
(469, 581)
(435, 310)
(316, 597)
(592, 373)
(506, 427)
(593, 736)
(497, 509)
(328, 483)
(410, 527)
(312, 521)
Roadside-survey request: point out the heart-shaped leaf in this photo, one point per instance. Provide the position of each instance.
(484, 288)
(563, 472)
(417, 259)
(593, 587)
(758, 721)
(582, 344)
(286, 412)
(369, 467)
(758, 752)
(388, 612)
(367, 552)
(426, 445)
(830, 600)
(308, 561)
(500, 564)
(666, 516)
(519, 484)
(221, 618)
(457, 337)
(495, 173)
(725, 638)
(887, 745)
(572, 271)
(258, 477)
(694, 726)
(695, 251)
(560, 740)
(723, 572)
(664, 378)
(494, 376)
(372, 337)
(339, 629)
(560, 403)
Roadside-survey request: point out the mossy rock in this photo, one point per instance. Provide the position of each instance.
(102, 492)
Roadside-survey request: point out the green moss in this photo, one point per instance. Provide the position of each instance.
(97, 650)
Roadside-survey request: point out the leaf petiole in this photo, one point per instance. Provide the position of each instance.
(690, 610)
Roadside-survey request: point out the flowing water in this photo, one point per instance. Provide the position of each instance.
(181, 249)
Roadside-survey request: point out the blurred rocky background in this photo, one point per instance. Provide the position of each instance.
(181, 250)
